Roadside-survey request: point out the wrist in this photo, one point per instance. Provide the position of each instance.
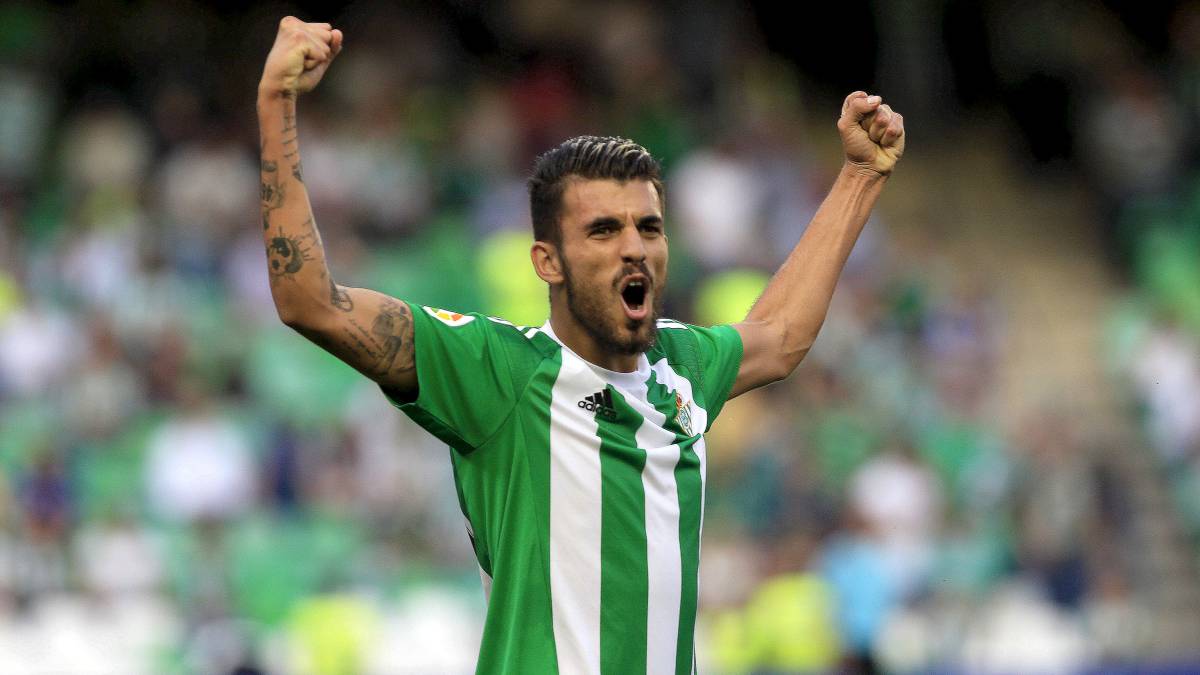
(863, 172)
(270, 92)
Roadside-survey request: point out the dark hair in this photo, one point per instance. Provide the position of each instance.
(591, 157)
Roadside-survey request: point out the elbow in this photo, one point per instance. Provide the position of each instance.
(287, 314)
(292, 318)
(296, 309)
(793, 346)
(786, 364)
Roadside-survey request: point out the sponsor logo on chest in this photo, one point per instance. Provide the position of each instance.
(601, 403)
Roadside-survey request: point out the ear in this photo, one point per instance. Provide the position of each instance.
(546, 262)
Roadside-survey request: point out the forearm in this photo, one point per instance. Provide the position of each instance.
(797, 299)
(300, 281)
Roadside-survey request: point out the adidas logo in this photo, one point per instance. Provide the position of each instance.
(601, 402)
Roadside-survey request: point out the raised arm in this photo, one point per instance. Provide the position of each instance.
(783, 324)
(368, 330)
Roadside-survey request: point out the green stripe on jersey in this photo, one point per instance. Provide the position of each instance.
(518, 635)
(623, 572)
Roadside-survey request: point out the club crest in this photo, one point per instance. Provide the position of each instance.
(683, 415)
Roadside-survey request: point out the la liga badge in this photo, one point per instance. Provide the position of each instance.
(449, 318)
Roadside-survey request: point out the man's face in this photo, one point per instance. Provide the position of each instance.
(614, 256)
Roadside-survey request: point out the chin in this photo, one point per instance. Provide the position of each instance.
(607, 324)
(642, 335)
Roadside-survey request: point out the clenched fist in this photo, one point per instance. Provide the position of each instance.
(300, 56)
(872, 133)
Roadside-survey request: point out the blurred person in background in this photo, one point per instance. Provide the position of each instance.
(563, 594)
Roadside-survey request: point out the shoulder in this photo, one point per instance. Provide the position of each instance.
(695, 347)
(477, 332)
(675, 341)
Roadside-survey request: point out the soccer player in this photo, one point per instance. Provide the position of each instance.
(577, 446)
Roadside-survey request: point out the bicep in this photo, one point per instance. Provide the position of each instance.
(370, 331)
(762, 361)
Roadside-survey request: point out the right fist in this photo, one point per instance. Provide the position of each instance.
(300, 56)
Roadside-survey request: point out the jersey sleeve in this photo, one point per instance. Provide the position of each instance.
(720, 357)
(465, 387)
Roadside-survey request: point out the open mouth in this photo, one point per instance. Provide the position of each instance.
(635, 295)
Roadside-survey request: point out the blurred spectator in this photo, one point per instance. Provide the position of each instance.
(1118, 624)
(39, 344)
(788, 625)
(199, 466)
(1135, 136)
(720, 201)
(105, 393)
(118, 559)
(205, 201)
(1056, 509)
(1166, 372)
(1019, 632)
(899, 500)
(47, 502)
(866, 587)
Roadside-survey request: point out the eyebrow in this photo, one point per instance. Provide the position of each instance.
(609, 221)
(603, 221)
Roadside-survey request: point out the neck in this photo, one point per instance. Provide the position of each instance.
(578, 340)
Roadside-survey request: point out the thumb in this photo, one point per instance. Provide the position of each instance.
(858, 105)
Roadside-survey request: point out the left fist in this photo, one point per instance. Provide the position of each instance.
(872, 133)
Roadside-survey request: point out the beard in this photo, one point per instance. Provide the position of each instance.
(590, 307)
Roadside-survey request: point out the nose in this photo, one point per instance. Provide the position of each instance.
(633, 248)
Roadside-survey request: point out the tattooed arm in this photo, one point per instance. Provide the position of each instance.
(368, 330)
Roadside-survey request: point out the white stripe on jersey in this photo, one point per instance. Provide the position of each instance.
(673, 381)
(663, 565)
(575, 510)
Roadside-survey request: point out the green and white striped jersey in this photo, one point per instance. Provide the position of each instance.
(583, 488)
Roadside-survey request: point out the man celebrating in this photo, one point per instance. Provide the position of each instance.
(577, 446)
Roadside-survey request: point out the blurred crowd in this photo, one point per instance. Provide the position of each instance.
(187, 486)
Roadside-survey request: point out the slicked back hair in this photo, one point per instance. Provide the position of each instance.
(589, 157)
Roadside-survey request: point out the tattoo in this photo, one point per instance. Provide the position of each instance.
(272, 192)
(362, 347)
(289, 123)
(312, 233)
(366, 334)
(297, 171)
(272, 195)
(286, 254)
(393, 328)
(333, 345)
(339, 297)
